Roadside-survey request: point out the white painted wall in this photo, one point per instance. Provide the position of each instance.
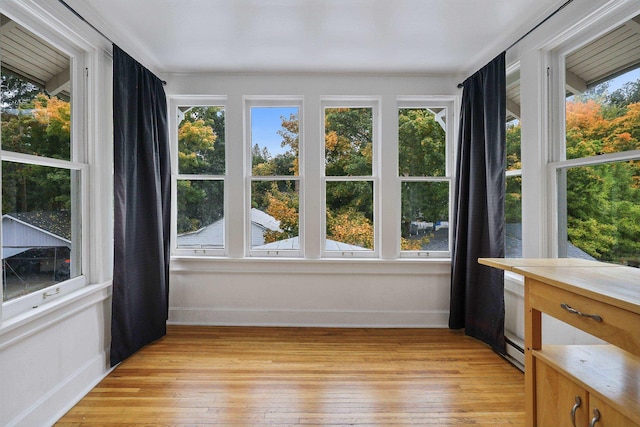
(311, 291)
(52, 357)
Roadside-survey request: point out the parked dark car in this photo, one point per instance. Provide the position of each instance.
(53, 260)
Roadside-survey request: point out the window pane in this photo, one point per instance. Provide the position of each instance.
(39, 126)
(425, 216)
(36, 113)
(348, 141)
(274, 141)
(201, 141)
(605, 118)
(514, 161)
(349, 215)
(513, 217)
(422, 142)
(274, 215)
(37, 237)
(200, 214)
(603, 212)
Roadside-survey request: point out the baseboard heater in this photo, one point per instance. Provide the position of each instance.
(515, 350)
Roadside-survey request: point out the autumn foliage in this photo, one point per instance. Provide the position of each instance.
(603, 199)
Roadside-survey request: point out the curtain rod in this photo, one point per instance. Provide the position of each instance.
(72, 10)
(565, 4)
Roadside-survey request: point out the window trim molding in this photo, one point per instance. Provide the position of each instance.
(38, 21)
(175, 102)
(450, 103)
(553, 54)
(375, 103)
(266, 101)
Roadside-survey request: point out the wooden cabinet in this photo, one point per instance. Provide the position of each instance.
(581, 385)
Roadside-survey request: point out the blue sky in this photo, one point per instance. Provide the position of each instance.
(265, 124)
(266, 121)
(619, 81)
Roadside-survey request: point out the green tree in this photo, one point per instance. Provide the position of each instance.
(421, 153)
(284, 206)
(603, 201)
(513, 194)
(39, 125)
(201, 151)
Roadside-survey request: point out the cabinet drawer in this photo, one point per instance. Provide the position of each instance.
(618, 327)
(607, 416)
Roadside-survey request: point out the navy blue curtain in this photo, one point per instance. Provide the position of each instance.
(477, 292)
(141, 208)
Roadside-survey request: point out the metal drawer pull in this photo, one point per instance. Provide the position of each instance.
(579, 313)
(574, 409)
(595, 419)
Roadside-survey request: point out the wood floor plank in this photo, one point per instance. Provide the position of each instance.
(250, 376)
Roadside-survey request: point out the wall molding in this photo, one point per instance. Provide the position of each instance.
(198, 265)
(206, 316)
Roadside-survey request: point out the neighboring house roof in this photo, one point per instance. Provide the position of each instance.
(26, 230)
(264, 220)
(56, 222)
(439, 241)
(212, 235)
(513, 244)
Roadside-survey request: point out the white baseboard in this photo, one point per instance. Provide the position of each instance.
(308, 318)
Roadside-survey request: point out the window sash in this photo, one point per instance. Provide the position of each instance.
(431, 103)
(79, 209)
(178, 106)
(356, 102)
(251, 102)
(281, 252)
(424, 253)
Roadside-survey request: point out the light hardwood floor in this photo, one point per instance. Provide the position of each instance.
(246, 376)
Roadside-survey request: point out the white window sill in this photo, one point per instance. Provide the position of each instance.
(28, 323)
(279, 265)
(514, 283)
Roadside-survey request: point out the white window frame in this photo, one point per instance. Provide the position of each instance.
(513, 75)
(175, 102)
(273, 101)
(431, 102)
(374, 103)
(593, 29)
(78, 163)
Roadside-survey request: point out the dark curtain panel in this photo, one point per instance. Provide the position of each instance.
(141, 208)
(477, 299)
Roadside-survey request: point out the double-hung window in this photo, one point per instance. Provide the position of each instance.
(596, 167)
(351, 134)
(200, 180)
(424, 170)
(44, 169)
(273, 160)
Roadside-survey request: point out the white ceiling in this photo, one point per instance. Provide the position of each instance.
(371, 36)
